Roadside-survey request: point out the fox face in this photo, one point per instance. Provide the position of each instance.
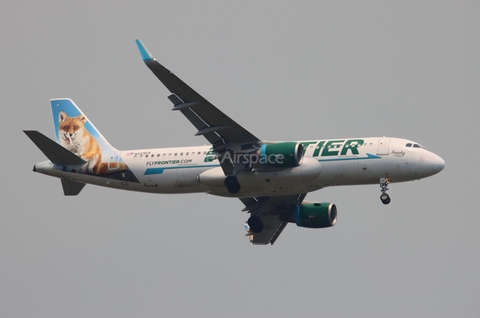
(74, 137)
(71, 128)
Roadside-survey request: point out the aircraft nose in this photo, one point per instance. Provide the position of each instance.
(437, 163)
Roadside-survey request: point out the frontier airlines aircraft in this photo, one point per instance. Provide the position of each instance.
(271, 178)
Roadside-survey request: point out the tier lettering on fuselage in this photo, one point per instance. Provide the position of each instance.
(340, 147)
(323, 148)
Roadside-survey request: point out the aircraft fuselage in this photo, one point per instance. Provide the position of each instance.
(333, 162)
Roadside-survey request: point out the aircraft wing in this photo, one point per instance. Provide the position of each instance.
(219, 129)
(270, 211)
(272, 228)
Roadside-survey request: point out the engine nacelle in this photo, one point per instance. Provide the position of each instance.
(281, 154)
(253, 225)
(313, 215)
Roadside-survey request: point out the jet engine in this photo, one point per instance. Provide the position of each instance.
(281, 154)
(313, 215)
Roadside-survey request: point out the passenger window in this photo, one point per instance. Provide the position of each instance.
(408, 145)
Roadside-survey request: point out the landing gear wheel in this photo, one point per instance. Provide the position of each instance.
(232, 184)
(255, 224)
(385, 198)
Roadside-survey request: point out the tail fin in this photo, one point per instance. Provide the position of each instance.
(69, 120)
(79, 148)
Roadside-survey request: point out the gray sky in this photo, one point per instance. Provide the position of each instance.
(285, 71)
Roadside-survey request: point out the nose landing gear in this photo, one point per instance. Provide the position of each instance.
(385, 198)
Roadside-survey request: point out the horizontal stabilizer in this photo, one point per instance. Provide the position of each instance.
(54, 152)
(71, 187)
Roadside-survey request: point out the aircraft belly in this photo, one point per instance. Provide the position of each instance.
(100, 181)
(175, 180)
(265, 182)
(285, 181)
(347, 171)
(340, 173)
(187, 178)
(402, 171)
(274, 185)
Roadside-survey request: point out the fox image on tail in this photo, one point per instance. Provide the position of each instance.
(78, 148)
(78, 140)
(75, 132)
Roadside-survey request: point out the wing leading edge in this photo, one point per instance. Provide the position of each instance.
(219, 129)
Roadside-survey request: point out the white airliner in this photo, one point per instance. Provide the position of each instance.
(271, 178)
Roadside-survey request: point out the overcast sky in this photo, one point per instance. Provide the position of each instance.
(285, 70)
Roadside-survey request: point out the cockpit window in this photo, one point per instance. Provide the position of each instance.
(414, 145)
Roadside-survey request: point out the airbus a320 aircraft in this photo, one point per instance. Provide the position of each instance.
(271, 178)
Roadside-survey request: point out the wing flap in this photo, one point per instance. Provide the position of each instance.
(272, 228)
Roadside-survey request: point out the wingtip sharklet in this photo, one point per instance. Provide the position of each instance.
(144, 53)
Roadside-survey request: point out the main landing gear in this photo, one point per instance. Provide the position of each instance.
(385, 198)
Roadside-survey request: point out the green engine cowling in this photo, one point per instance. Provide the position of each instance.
(282, 154)
(315, 215)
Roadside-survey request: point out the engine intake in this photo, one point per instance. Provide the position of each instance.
(282, 154)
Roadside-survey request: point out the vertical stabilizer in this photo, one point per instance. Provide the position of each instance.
(77, 134)
(71, 123)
